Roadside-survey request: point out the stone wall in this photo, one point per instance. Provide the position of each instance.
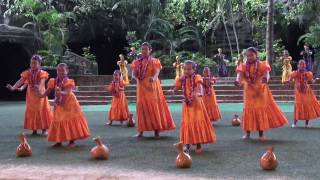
(23, 36)
(79, 65)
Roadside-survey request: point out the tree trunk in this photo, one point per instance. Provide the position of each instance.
(233, 26)
(227, 33)
(269, 33)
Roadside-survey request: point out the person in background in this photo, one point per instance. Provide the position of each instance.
(286, 67)
(119, 110)
(196, 128)
(220, 58)
(132, 55)
(178, 67)
(306, 105)
(307, 57)
(122, 63)
(209, 95)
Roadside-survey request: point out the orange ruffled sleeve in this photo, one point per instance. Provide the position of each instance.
(265, 67)
(293, 74)
(44, 75)
(198, 79)
(134, 64)
(25, 75)
(309, 76)
(51, 83)
(69, 84)
(240, 68)
(123, 83)
(157, 64)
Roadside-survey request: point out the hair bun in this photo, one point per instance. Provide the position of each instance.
(36, 57)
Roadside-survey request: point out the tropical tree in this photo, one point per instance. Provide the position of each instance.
(49, 24)
(161, 33)
(218, 19)
(233, 25)
(269, 32)
(312, 37)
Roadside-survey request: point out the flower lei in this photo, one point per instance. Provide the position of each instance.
(188, 99)
(33, 80)
(252, 79)
(115, 90)
(59, 82)
(142, 67)
(302, 86)
(207, 85)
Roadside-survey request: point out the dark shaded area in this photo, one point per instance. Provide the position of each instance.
(294, 32)
(106, 51)
(13, 59)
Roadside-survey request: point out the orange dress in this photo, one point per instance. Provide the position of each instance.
(119, 110)
(38, 113)
(69, 122)
(306, 105)
(196, 126)
(210, 100)
(260, 111)
(152, 110)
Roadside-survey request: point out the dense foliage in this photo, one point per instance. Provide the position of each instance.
(189, 28)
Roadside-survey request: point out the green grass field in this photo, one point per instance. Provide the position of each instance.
(230, 158)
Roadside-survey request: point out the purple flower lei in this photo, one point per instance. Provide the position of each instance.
(251, 79)
(142, 67)
(59, 82)
(207, 85)
(302, 80)
(116, 88)
(34, 80)
(188, 99)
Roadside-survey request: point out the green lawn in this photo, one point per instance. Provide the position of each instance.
(230, 158)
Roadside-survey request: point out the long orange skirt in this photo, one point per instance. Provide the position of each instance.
(119, 110)
(152, 110)
(260, 110)
(196, 127)
(306, 105)
(69, 122)
(212, 107)
(38, 113)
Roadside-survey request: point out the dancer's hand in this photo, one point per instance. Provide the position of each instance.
(313, 81)
(20, 89)
(237, 83)
(133, 80)
(11, 88)
(171, 92)
(287, 84)
(264, 80)
(152, 79)
(38, 93)
(58, 90)
(35, 87)
(109, 88)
